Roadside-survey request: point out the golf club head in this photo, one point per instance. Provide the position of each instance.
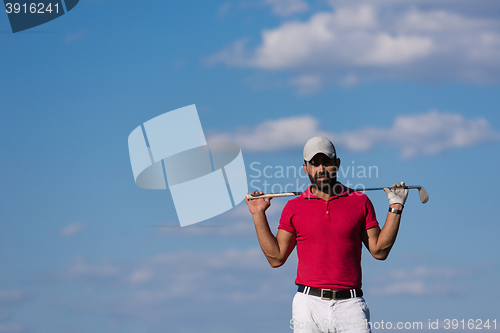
(424, 197)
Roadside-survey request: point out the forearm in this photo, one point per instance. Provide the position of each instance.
(268, 242)
(389, 232)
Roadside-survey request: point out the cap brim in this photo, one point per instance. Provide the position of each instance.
(311, 155)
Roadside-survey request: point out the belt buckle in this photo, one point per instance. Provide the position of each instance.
(328, 298)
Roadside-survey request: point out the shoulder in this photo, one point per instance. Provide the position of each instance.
(356, 195)
(297, 203)
(360, 203)
(357, 198)
(293, 203)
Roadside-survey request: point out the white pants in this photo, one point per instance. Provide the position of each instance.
(311, 314)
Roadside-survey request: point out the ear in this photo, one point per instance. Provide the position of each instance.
(305, 168)
(338, 163)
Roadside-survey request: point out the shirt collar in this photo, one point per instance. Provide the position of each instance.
(307, 194)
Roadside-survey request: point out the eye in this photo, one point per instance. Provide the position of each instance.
(325, 162)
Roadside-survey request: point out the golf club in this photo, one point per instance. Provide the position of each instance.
(424, 197)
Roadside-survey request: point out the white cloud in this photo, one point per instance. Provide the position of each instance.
(428, 272)
(140, 275)
(13, 328)
(165, 289)
(237, 222)
(373, 40)
(229, 258)
(240, 228)
(287, 7)
(428, 133)
(410, 287)
(12, 297)
(421, 280)
(390, 50)
(73, 37)
(157, 289)
(224, 9)
(307, 84)
(72, 229)
(188, 271)
(82, 270)
(8, 300)
(5, 316)
(274, 135)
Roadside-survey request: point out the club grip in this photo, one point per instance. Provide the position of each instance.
(272, 195)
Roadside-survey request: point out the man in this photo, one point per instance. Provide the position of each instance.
(328, 223)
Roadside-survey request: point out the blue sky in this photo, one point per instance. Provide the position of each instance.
(408, 87)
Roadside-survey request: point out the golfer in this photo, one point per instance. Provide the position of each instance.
(328, 223)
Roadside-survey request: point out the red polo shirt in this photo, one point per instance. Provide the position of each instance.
(328, 237)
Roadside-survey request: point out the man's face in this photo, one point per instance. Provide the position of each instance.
(322, 171)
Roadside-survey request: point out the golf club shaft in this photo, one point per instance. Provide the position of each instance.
(381, 188)
(424, 197)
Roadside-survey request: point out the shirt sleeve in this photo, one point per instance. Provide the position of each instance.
(370, 217)
(286, 220)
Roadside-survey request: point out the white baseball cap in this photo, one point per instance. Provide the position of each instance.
(316, 145)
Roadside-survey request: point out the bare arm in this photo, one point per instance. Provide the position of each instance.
(276, 249)
(380, 242)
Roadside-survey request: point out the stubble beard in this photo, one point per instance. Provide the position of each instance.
(325, 186)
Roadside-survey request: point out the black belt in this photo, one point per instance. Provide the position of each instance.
(329, 293)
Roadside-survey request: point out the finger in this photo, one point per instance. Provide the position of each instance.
(253, 193)
(386, 190)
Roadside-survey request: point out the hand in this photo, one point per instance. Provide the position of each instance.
(258, 205)
(397, 194)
